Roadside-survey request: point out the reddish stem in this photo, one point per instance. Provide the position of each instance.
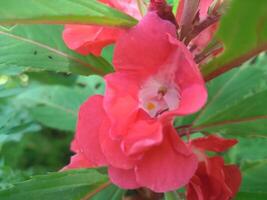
(235, 63)
(200, 27)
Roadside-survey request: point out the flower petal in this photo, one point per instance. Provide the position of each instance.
(194, 190)
(214, 180)
(142, 135)
(78, 161)
(121, 101)
(144, 47)
(163, 168)
(232, 178)
(214, 143)
(123, 178)
(86, 39)
(112, 149)
(90, 118)
(193, 93)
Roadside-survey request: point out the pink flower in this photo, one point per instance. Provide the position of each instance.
(213, 179)
(148, 154)
(86, 39)
(129, 129)
(160, 70)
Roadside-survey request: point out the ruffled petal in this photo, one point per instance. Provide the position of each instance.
(192, 88)
(78, 161)
(90, 118)
(233, 178)
(144, 47)
(86, 39)
(194, 191)
(163, 168)
(123, 178)
(214, 143)
(121, 101)
(112, 149)
(128, 6)
(214, 180)
(142, 135)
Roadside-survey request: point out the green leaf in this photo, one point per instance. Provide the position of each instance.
(56, 106)
(171, 196)
(15, 120)
(71, 185)
(175, 6)
(237, 102)
(254, 182)
(40, 47)
(112, 192)
(62, 12)
(251, 196)
(247, 150)
(255, 177)
(243, 30)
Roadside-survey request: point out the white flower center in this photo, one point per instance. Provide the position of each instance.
(158, 96)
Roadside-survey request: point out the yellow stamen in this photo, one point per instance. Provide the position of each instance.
(150, 106)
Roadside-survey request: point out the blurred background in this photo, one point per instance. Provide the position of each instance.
(38, 112)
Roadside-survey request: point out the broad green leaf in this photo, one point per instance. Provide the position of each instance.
(251, 196)
(254, 181)
(243, 30)
(56, 106)
(255, 177)
(62, 12)
(71, 185)
(247, 150)
(15, 120)
(237, 102)
(51, 78)
(40, 47)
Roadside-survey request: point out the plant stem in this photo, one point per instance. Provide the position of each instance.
(91, 194)
(200, 27)
(141, 7)
(147, 194)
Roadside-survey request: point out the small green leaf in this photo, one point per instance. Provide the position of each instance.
(70, 185)
(175, 6)
(62, 12)
(171, 196)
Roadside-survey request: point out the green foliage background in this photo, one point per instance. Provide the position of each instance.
(43, 83)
